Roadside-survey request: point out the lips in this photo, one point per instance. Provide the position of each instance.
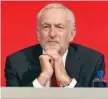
(53, 42)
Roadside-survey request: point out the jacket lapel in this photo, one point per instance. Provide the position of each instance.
(73, 62)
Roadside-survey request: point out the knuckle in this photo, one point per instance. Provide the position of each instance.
(42, 57)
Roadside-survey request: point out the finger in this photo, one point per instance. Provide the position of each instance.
(51, 61)
(50, 58)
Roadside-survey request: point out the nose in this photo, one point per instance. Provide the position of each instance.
(52, 32)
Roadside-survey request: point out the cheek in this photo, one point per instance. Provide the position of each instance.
(65, 37)
(43, 36)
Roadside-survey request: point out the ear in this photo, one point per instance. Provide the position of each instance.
(72, 34)
(38, 34)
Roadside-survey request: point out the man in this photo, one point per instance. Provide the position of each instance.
(55, 62)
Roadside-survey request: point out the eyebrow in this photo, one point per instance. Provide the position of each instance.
(45, 24)
(59, 24)
(54, 24)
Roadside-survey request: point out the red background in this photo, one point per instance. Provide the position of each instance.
(19, 26)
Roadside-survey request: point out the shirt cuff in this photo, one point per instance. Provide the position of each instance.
(72, 84)
(37, 84)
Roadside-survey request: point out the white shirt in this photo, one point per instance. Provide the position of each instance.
(71, 85)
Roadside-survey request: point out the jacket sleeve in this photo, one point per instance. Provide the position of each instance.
(10, 74)
(100, 65)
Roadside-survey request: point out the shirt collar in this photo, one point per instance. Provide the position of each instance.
(64, 57)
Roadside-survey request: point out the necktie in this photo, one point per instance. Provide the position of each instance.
(54, 82)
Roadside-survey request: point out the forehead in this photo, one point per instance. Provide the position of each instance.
(54, 16)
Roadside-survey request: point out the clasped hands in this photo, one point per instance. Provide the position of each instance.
(51, 62)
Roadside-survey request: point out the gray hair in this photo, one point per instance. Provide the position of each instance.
(70, 14)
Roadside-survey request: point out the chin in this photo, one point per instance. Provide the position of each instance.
(57, 48)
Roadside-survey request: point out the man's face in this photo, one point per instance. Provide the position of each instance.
(54, 30)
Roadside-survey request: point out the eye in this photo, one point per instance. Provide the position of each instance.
(45, 26)
(59, 26)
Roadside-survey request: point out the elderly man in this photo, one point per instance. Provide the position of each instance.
(55, 62)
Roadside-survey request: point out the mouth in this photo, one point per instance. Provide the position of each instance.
(53, 42)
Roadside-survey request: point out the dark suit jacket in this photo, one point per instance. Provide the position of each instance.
(23, 67)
